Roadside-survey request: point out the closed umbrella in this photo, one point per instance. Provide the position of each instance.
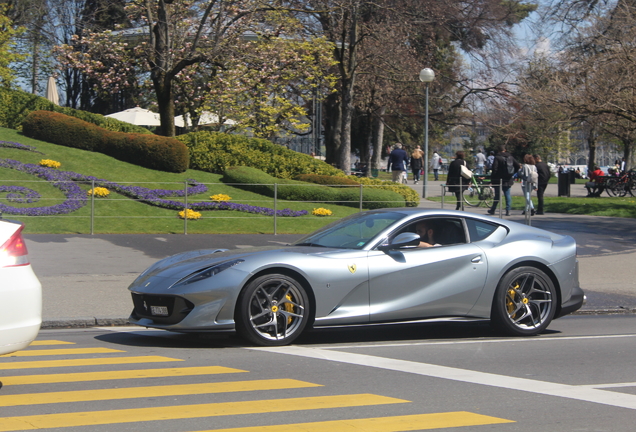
(51, 91)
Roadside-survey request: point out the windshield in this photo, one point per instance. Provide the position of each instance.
(352, 232)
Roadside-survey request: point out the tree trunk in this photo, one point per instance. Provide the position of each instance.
(163, 89)
(332, 128)
(591, 143)
(378, 138)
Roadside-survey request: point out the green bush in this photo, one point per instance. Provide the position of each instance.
(150, 151)
(262, 183)
(410, 196)
(16, 105)
(327, 180)
(215, 152)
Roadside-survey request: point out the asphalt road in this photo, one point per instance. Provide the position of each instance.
(578, 376)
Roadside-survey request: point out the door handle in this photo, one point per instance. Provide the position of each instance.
(476, 260)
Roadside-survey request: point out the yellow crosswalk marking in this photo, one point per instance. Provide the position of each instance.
(116, 375)
(92, 418)
(84, 362)
(150, 391)
(61, 351)
(50, 342)
(381, 424)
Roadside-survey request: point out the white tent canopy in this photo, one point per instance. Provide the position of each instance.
(206, 118)
(137, 116)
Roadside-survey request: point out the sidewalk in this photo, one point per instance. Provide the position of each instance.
(85, 278)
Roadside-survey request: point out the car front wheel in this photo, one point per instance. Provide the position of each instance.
(524, 303)
(272, 310)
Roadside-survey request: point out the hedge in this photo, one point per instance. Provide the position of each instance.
(16, 105)
(150, 151)
(262, 183)
(410, 196)
(216, 151)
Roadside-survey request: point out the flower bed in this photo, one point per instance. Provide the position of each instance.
(67, 181)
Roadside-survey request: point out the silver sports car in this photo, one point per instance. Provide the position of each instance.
(389, 265)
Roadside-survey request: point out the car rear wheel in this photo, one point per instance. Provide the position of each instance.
(524, 303)
(272, 310)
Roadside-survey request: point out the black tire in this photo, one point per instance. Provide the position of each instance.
(272, 310)
(471, 196)
(525, 302)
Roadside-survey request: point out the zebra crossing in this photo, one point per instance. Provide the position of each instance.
(113, 370)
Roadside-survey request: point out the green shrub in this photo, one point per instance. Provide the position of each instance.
(150, 151)
(262, 183)
(327, 180)
(215, 152)
(16, 105)
(411, 197)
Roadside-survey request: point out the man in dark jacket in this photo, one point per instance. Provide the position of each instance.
(544, 177)
(398, 161)
(503, 168)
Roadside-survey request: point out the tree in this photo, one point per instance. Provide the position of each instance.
(171, 36)
(7, 52)
(390, 41)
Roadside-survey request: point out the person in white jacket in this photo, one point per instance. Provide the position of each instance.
(529, 179)
(436, 164)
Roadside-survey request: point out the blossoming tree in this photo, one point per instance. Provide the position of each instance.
(244, 57)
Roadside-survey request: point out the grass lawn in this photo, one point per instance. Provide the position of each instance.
(120, 214)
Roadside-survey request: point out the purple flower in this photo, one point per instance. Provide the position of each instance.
(20, 194)
(67, 181)
(15, 145)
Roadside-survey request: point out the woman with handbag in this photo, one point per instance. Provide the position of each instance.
(455, 181)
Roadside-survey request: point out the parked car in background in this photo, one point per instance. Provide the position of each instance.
(20, 291)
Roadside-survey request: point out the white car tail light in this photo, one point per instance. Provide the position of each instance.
(13, 252)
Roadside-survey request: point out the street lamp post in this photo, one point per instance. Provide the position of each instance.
(426, 76)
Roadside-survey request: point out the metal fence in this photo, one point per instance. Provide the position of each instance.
(76, 202)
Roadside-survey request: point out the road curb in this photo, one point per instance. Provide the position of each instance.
(88, 322)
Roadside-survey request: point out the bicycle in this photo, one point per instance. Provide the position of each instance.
(479, 192)
(620, 186)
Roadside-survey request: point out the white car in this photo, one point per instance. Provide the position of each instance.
(20, 291)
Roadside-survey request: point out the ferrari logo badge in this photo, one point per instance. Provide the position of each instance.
(352, 268)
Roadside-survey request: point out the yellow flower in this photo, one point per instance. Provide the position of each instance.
(50, 163)
(321, 212)
(99, 192)
(190, 214)
(220, 197)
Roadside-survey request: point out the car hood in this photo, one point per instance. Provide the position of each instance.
(181, 265)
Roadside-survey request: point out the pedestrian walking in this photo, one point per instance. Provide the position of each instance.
(480, 162)
(529, 181)
(504, 168)
(436, 164)
(398, 161)
(454, 179)
(544, 178)
(417, 162)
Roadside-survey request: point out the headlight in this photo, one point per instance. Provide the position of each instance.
(207, 272)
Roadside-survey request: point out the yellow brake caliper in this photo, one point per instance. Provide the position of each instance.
(510, 304)
(289, 308)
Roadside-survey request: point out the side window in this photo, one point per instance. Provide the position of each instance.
(479, 230)
(447, 231)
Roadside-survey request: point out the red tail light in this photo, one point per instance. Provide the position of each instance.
(13, 252)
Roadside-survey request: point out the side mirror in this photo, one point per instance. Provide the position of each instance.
(402, 240)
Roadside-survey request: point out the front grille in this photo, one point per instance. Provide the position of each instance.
(161, 309)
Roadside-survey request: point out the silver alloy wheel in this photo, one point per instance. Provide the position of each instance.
(277, 309)
(529, 301)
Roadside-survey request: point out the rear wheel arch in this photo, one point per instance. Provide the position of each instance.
(526, 300)
(545, 269)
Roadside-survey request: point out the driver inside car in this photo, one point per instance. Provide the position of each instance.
(426, 230)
